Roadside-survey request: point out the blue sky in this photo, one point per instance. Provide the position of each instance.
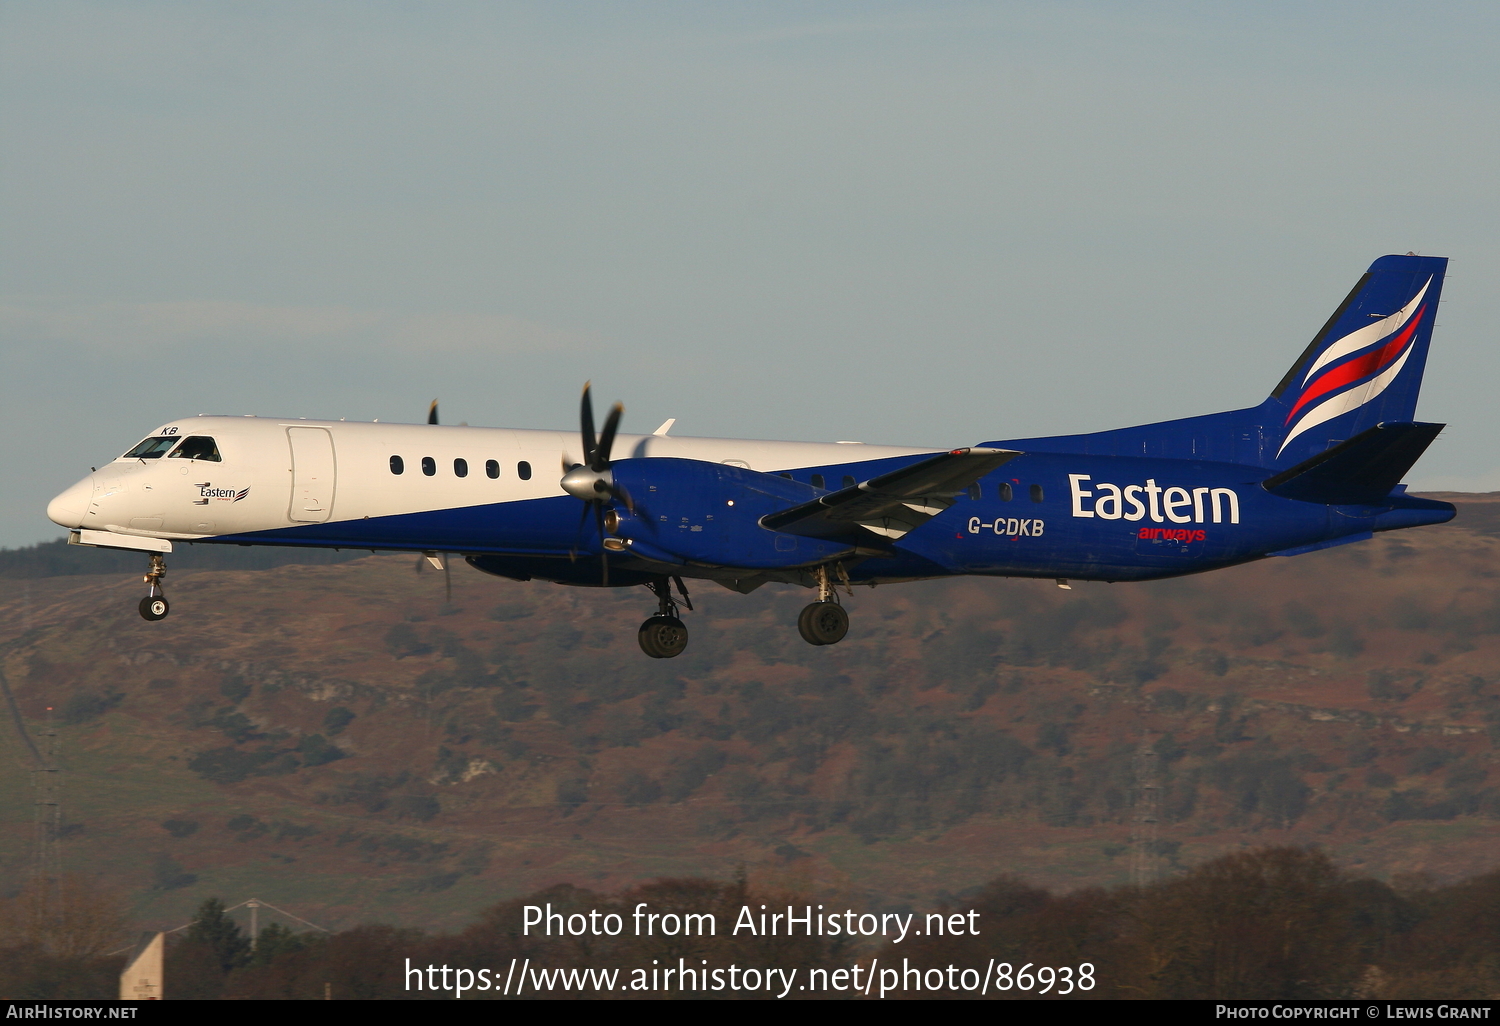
(913, 223)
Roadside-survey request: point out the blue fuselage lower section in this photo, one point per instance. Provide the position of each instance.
(1043, 514)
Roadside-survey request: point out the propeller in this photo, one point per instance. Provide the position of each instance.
(592, 481)
(432, 417)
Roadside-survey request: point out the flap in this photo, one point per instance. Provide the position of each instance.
(892, 504)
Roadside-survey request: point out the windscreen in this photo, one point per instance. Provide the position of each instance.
(152, 448)
(197, 447)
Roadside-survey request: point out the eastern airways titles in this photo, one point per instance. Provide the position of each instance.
(1179, 505)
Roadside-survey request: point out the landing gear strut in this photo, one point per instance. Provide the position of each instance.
(824, 622)
(664, 635)
(154, 606)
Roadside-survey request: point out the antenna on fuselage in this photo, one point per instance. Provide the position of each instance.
(432, 413)
(439, 561)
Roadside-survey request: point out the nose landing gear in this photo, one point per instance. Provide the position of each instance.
(824, 622)
(154, 606)
(664, 636)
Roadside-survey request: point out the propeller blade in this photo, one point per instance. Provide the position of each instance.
(607, 440)
(586, 419)
(448, 581)
(603, 553)
(432, 413)
(578, 535)
(619, 492)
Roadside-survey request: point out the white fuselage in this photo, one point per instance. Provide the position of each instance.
(285, 473)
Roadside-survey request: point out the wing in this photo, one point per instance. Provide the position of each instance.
(893, 504)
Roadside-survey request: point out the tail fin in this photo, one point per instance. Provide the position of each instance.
(1365, 366)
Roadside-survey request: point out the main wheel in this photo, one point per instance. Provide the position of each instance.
(154, 607)
(663, 637)
(823, 623)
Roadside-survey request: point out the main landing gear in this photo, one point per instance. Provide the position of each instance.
(824, 622)
(154, 606)
(664, 635)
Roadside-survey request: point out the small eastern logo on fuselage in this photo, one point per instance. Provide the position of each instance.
(206, 492)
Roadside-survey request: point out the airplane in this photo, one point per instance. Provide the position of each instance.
(1317, 464)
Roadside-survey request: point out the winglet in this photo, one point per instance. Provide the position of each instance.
(661, 432)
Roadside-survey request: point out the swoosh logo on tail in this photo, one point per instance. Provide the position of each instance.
(1368, 335)
(1380, 365)
(1371, 363)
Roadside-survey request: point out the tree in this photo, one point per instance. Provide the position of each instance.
(274, 941)
(71, 918)
(1267, 923)
(215, 931)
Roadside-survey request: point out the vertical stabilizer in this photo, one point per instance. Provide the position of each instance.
(1365, 367)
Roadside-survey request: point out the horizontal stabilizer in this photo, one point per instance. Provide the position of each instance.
(1361, 471)
(891, 505)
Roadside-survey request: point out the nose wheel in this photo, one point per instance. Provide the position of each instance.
(155, 606)
(664, 636)
(824, 622)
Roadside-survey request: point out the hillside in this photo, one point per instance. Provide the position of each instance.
(335, 739)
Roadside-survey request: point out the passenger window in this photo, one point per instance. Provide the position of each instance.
(398, 465)
(523, 470)
(1005, 493)
(151, 449)
(787, 476)
(197, 447)
(1036, 493)
(460, 468)
(848, 480)
(429, 465)
(974, 492)
(492, 469)
(817, 480)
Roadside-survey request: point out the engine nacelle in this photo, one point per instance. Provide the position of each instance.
(692, 511)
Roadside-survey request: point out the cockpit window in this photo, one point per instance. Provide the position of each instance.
(197, 447)
(152, 448)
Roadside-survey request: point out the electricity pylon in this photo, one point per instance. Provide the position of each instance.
(1145, 848)
(46, 870)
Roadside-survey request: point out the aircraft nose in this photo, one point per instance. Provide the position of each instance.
(67, 509)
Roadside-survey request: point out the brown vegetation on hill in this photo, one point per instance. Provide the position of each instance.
(337, 739)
